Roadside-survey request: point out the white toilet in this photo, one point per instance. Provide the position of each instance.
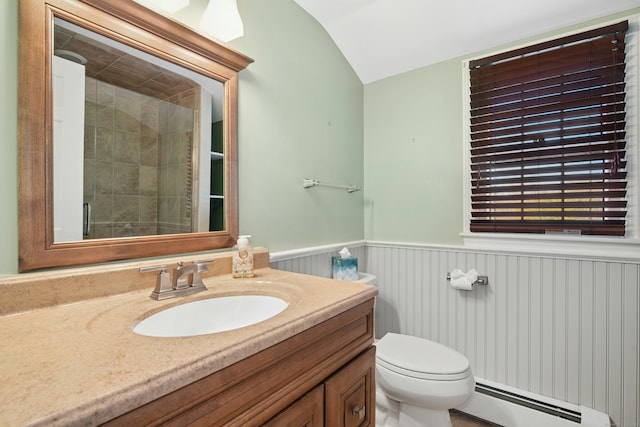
(418, 381)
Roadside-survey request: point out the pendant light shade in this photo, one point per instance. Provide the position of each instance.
(221, 20)
(170, 6)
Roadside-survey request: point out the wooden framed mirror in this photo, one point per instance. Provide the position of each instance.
(127, 135)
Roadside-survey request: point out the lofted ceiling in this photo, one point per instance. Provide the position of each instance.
(382, 38)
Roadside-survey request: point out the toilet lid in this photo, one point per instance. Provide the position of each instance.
(420, 358)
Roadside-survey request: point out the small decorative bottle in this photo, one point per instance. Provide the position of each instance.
(242, 259)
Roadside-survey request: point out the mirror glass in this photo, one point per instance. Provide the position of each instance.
(137, 142)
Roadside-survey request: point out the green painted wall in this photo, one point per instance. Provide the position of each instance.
(8, 136)
(413, 155)
(300, 116)
(414, 151)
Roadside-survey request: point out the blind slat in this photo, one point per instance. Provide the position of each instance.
(572, 168)
(549, 108)
(620, 27)
(568, 114)
(545, 89)
(570, 204)
(558, 99)
(488, 183)
(572, 151)
(579, 126)
(549, 188)
(539, 214)
(610, 194)
(539, 68)
(601, 228)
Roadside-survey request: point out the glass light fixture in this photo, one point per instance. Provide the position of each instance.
(221, 20)
(170, 6)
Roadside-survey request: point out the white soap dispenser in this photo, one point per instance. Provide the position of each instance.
(242, 259)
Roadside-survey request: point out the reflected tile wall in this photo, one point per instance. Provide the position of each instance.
(137, 162)
(174, 170)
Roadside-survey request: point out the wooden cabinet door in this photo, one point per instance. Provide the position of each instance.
(308, 411)
(350, 393)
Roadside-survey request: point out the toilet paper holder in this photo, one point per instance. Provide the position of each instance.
(481, 280)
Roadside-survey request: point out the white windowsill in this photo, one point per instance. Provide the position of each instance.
(610, 248)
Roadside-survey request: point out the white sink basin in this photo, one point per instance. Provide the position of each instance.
(210, 316)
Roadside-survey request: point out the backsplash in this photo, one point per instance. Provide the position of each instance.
(561, 327)
(29, 291)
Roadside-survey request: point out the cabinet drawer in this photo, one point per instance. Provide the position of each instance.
(350, 393)
(306, 412)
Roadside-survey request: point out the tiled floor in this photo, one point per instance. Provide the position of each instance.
(460, 419)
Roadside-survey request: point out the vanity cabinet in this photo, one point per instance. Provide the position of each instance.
(346, 399)
(350, 393)
(322, 376)
(308, 411)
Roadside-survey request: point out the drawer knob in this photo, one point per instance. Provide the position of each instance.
(360, 412)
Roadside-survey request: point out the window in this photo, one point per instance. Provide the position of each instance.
(548, 137)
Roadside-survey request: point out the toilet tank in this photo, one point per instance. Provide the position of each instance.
(369, 279)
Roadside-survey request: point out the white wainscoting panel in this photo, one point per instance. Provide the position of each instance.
(317, 262)
(566, 328)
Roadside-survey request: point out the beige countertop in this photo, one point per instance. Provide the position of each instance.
(81, 364)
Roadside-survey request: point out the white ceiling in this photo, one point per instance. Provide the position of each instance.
(382, 38)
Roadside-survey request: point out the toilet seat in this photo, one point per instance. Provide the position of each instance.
(420, 358)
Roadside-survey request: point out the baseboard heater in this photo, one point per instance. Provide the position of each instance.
(511, 407)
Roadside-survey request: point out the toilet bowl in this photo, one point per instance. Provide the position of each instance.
(418, 381)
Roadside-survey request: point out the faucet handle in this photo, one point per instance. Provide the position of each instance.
(163, 283)
(162, 268)
(201, 266)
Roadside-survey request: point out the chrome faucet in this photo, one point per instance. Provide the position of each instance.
(187, 279)
(185, 276)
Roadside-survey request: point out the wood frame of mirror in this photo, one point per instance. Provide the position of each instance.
(135, 25)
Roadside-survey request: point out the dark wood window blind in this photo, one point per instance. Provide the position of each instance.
(548, 137)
